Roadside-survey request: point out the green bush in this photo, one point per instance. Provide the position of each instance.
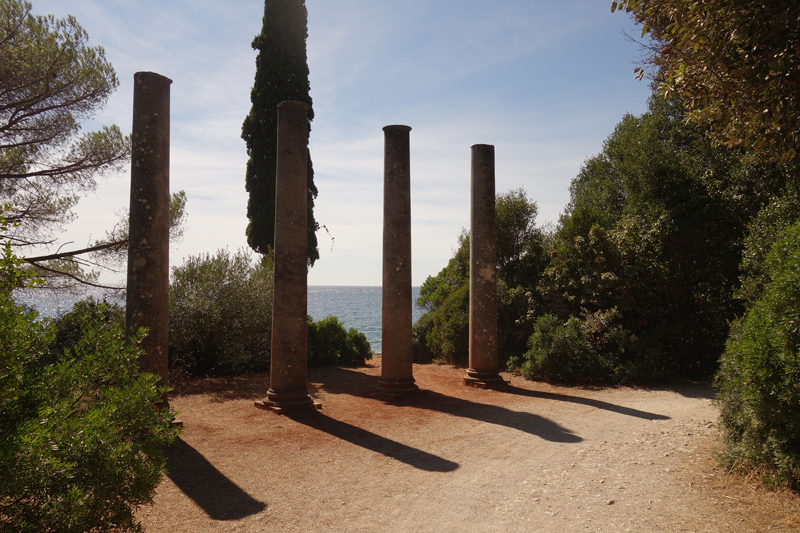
(81, 437)
(220, 313)
(566, 352)
(759, 377)
(442, 332)
(329, 343)
(764, 230)
(69, 328)
(655, 229)
(448, 338)
(420, 350)
(594, 348)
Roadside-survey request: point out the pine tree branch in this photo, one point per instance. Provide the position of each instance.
(34, 260)
(76, 278)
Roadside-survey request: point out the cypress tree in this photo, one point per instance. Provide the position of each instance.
(281, 75)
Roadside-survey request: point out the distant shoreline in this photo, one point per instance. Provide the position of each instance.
(358, 306)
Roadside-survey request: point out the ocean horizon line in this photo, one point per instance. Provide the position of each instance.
(360, 286)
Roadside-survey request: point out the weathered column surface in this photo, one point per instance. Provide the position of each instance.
(483, 366)
(147, 300)
(288, 387)
(397, 364)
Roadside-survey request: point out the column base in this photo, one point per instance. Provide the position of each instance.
(483, 380)
(164, 404)
(283, 402)
(394, 390)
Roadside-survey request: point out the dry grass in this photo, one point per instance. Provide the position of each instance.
(755, 507)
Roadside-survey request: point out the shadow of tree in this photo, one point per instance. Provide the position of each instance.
(224, 388)
(376, 443)
(217, 495)
(250, 385)
(694, 390)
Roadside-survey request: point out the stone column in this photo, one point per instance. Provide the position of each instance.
(483, 367)
(397, 364)
(288, 377)
(147, 300)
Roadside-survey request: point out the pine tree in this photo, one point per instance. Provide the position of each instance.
(281, 75)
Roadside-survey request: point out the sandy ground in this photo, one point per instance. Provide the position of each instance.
(533, 457)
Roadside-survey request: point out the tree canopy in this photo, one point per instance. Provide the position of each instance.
(645, 261)
(443, 330)
(281, 75)
(51, 84)
(735, 65)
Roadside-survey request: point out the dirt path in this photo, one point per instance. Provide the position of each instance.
(455, 459)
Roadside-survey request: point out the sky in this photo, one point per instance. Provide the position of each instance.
(544, 82)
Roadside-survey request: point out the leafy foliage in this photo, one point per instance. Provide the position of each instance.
(220, 313)
(50, 83)
(68, 329)
(442, 332)
(735, 64)
(329, 343)
(221, 319)
(565, 352)
(759, 378)
(281, 75)
(81, 440)
(12, 274)
(764, 230)
(651, 242)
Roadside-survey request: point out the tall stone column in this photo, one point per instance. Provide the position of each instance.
(288, 377)
(483, 366)
(147, 300)
(397, 363)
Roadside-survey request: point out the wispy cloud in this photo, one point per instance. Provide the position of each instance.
(545, 82)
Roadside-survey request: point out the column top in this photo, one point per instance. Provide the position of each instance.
(294, 103)
(482, 146)
(396, 127)
(151, 75)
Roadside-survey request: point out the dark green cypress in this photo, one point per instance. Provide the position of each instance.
(281, 75)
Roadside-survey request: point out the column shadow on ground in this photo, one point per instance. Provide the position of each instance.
(344, 381)
(217, 495)
(530, 423)
(599, 404)
(373, 442)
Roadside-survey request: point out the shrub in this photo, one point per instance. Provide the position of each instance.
(220, 315)
(559, 352)
(449, 337)
(593, 348)
(442, 332)
(81, 439)
(329, 343)
(69, 328)
(764, 230)
(655, 228)
(759, 377)
(420, 350)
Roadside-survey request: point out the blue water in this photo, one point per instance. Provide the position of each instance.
(357, 307)
(50, 304)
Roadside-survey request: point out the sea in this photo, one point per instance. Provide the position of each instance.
(357, 307)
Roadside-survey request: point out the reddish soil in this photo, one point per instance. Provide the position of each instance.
(532, 457)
